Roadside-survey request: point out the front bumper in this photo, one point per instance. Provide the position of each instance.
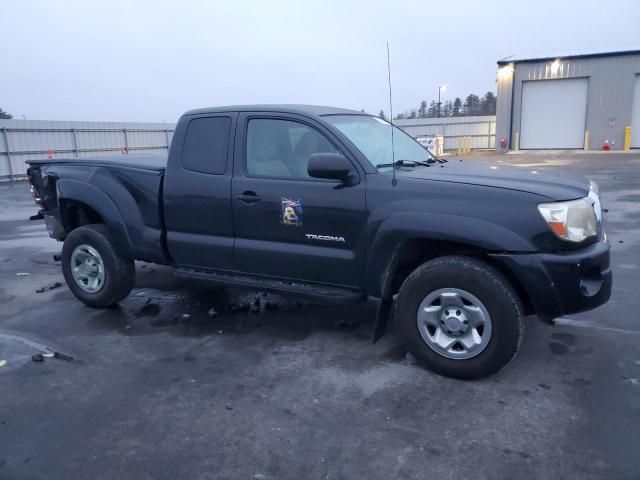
(560, 284)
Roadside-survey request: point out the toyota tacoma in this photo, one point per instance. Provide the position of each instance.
(339, 205)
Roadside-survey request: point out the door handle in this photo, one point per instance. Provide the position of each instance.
(248, 197)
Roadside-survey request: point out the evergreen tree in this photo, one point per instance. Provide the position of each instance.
(422, 111)
(448, 108)
(381, 115)
(456, 108)
(5, 115)
(433, 109)
(471, 105)
(488, 104)
(413, 114)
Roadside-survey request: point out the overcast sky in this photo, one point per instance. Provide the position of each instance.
(151, 60)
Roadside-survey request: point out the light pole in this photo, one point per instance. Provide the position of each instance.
(441, 88)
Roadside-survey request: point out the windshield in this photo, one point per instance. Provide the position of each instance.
(372, 136)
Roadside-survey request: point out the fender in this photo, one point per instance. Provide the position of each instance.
(107, 194)
(393, 232)
(95, 198)
(400, 227)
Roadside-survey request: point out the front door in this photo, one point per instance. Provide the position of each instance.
(286, 223)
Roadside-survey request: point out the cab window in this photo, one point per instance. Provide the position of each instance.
(206, 145)
(281, 148)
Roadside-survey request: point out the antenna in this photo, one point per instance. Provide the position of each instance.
(393, 149)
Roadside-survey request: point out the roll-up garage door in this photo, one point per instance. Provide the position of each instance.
(553, 113)
(635, 115)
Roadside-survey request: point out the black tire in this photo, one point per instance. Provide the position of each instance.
(119, 271)
(487, 285)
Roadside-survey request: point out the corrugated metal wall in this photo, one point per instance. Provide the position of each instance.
(504, 93)
(481, 129)
(22, 140)
(609, 101)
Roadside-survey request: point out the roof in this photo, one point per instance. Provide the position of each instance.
(317, 110)
(512, 59)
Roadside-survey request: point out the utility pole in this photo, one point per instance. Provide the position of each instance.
(441, 88)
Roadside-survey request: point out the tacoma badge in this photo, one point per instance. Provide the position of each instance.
(328, 238)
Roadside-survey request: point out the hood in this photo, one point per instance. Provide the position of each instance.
(553, 186)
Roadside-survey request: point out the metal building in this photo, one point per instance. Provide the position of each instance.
(583, 101)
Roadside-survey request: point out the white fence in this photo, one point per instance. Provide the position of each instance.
(482, 130)
(22, 140)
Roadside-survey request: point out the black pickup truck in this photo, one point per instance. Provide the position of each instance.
(315, 201)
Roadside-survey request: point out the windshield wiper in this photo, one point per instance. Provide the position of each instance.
(406, 163)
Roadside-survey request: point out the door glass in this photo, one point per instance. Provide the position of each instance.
(206, 144)
(281, 148)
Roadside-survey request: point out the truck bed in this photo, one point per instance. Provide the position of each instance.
(122, 191)
(156, 163)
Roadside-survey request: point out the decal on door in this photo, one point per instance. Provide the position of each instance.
(291, 212)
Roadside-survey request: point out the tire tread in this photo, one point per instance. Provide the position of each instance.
(470, 265)
(122, 273)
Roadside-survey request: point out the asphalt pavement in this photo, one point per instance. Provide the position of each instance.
(264, 387)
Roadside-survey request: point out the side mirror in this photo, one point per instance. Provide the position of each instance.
(329, 165)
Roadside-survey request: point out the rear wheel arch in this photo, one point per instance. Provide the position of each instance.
(75, 213)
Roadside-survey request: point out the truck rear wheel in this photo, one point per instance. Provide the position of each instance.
(93, 268)
(460, 317)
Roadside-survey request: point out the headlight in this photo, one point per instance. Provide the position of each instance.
(576, 220)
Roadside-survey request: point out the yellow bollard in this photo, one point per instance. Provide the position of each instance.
(586, 140)
(627, 138)
(516, 142)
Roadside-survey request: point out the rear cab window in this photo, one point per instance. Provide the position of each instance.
(206, 145)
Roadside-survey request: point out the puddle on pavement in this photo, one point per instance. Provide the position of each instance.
(147, 310)
(199, 310)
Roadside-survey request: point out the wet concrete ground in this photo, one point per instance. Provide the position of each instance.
(160, 389)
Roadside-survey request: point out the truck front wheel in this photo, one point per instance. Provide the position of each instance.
(93, 268)
(460, 317)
